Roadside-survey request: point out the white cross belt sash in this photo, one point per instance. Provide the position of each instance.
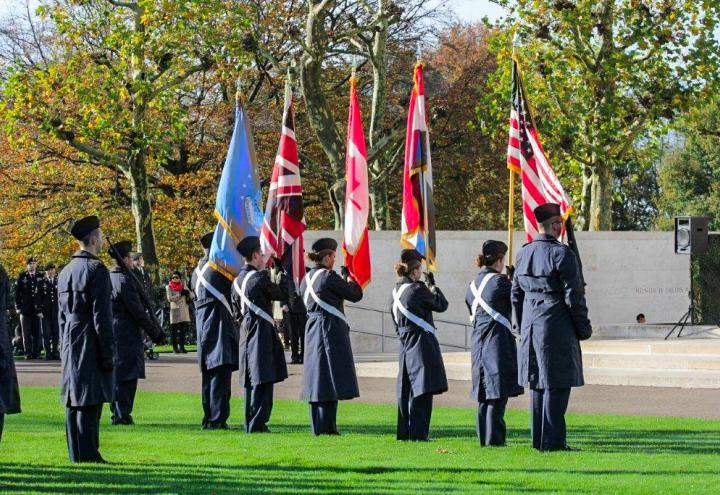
(310, 292)
(479, 301)
(398, 306)
(247, 303)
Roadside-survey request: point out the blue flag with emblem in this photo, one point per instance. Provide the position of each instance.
(237, 209)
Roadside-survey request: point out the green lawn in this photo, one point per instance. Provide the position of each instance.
(166, 452)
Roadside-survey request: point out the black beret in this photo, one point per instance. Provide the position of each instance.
(546, 211)
(137, 256)
(50, 266)
(249, 245)
(407, 255)
(493, 248)
(124, 248)
(81, 228)
(324, 244)
(31, 259)
(206, 240)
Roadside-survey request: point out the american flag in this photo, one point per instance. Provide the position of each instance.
(527, 158)
(283, 226)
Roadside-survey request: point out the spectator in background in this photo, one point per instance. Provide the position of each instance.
(25, 299)
(179, 297)
(142, 274)
(47, 304)
(640, 318)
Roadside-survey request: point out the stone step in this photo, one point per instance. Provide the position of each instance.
(638, 377)
(654, 346)
(652, 361)
(653, 378)
(650, 331)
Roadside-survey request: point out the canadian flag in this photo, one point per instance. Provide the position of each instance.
(356, 244)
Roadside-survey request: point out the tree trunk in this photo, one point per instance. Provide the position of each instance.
(142, 214)
(378, 195)
(583, 219)
(600, 214)
(380, 208)
(318, 110)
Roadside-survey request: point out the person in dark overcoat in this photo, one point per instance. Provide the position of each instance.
(217, 347)
(130, 319)
(9, 390)
(493, 350)
(329, 369)
(550, 314)
(138, 267)
(26, 287)
(86, 341)
(295, 317)
(421, 371)
(47, 304)
(262, 357)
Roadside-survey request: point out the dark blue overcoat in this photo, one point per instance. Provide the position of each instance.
(9, 391)
(129, 321)
(493, 351)
(329, 369)
(550, 313)
(262, 357)
(419, 349)
(217, 334)
(86, 335)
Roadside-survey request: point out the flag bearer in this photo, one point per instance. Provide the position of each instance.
(493, 352)
(329, 373)
(262, 357)
(550, 314)
(217, 342)
(421, 369)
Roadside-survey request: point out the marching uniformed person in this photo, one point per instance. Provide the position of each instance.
(26, 307)
(493, 351)
(329, 368)
(217, 347)
(9, 391)
(421, 371)
(130, 319)
(85, 319)
(262, 357)
(47, 303)
(550, 313)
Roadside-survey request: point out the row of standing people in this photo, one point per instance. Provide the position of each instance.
(36, 303)
(545, 299)
(548, 313)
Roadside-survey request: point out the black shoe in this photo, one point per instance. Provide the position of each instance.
(183, 351)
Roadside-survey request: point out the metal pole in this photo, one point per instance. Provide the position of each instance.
(465, 328)
(382, 332)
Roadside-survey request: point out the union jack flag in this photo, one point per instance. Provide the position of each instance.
(527, 158)
(283, 226)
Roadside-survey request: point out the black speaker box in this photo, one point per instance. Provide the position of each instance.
(691, 235)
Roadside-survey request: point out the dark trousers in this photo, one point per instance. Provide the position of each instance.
(122, 406)
(258, 407)
(216, 386)
(547, 418)
(297, 323)
(31, 334)
(413, 420)
(323, 417)
(2, 424)
(82, 429)
(50, 334)
(490, 422)
(178, 333)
